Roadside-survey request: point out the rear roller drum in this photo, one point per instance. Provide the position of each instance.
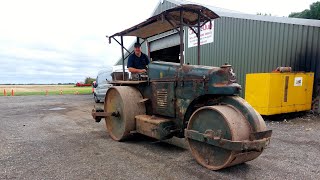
(124, 101)
(222, 121)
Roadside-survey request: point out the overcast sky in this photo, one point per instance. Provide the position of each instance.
(44, 41)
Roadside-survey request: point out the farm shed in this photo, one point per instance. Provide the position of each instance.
(250, 43)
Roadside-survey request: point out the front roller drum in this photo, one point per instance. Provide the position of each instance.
(219, 137)
(124, 100)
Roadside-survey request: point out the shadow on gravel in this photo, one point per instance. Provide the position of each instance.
(287, 116)
(141, 139)
(240, 169)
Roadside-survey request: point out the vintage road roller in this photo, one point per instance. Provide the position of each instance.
(198, 103)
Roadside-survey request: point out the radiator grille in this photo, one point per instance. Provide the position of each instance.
(162, 96)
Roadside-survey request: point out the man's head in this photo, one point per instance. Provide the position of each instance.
(137, 48)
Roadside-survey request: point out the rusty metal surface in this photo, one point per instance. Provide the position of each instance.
(251, 115)
(153, 126)
(189, 83)
(118, 76)
(125, 100)
(144, 100)
(94, 116)
(127, 82)
(210, 137)
(260, 135)
(163, 98)
(230, 124)
(169, 20)
(98, 114)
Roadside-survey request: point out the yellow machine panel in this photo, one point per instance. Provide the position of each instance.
(277, 93)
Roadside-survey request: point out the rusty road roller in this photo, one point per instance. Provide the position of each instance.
(195, 102)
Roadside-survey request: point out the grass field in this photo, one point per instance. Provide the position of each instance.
(25, 90)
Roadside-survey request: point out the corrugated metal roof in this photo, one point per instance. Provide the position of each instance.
(236, 14)
(285, 20)
(218, 9)
(169, 20)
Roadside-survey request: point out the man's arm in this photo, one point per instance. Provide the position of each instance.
(134, 70)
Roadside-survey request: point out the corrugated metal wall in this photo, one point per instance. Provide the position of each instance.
(253, 46)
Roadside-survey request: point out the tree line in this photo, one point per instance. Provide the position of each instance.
(312, 13)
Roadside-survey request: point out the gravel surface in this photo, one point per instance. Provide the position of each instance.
(55, 137)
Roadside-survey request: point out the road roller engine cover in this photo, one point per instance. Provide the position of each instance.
(195, 102)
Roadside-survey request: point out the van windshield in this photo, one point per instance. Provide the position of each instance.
(104, 77)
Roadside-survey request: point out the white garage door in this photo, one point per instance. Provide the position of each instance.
(165, 42)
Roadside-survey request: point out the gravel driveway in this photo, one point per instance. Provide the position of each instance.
(54, 137)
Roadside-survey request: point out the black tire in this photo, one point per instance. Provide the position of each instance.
(96, 98)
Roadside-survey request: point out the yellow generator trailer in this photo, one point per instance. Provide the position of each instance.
(277, 93)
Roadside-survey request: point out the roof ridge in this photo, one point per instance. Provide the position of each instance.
(241, 15)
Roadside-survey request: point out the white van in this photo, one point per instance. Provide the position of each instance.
(102, 85)
(102, 82)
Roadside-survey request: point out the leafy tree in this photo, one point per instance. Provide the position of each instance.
(312, 13)
(89, 80)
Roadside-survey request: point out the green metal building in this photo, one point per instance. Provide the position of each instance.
(250, 43)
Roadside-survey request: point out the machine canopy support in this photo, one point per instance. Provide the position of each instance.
(123, 69)
(181, 39)
(121, 44)
(189, 15)
(198, 38)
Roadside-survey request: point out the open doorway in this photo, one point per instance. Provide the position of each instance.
(170, 54)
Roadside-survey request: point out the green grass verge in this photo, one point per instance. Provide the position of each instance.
(80, 90)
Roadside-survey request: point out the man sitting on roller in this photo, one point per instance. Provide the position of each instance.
(137, 62)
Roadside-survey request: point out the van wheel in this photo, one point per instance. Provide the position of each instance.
(96, 98)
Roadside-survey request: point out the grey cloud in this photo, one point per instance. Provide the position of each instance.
(45, 42)
(72, 67)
